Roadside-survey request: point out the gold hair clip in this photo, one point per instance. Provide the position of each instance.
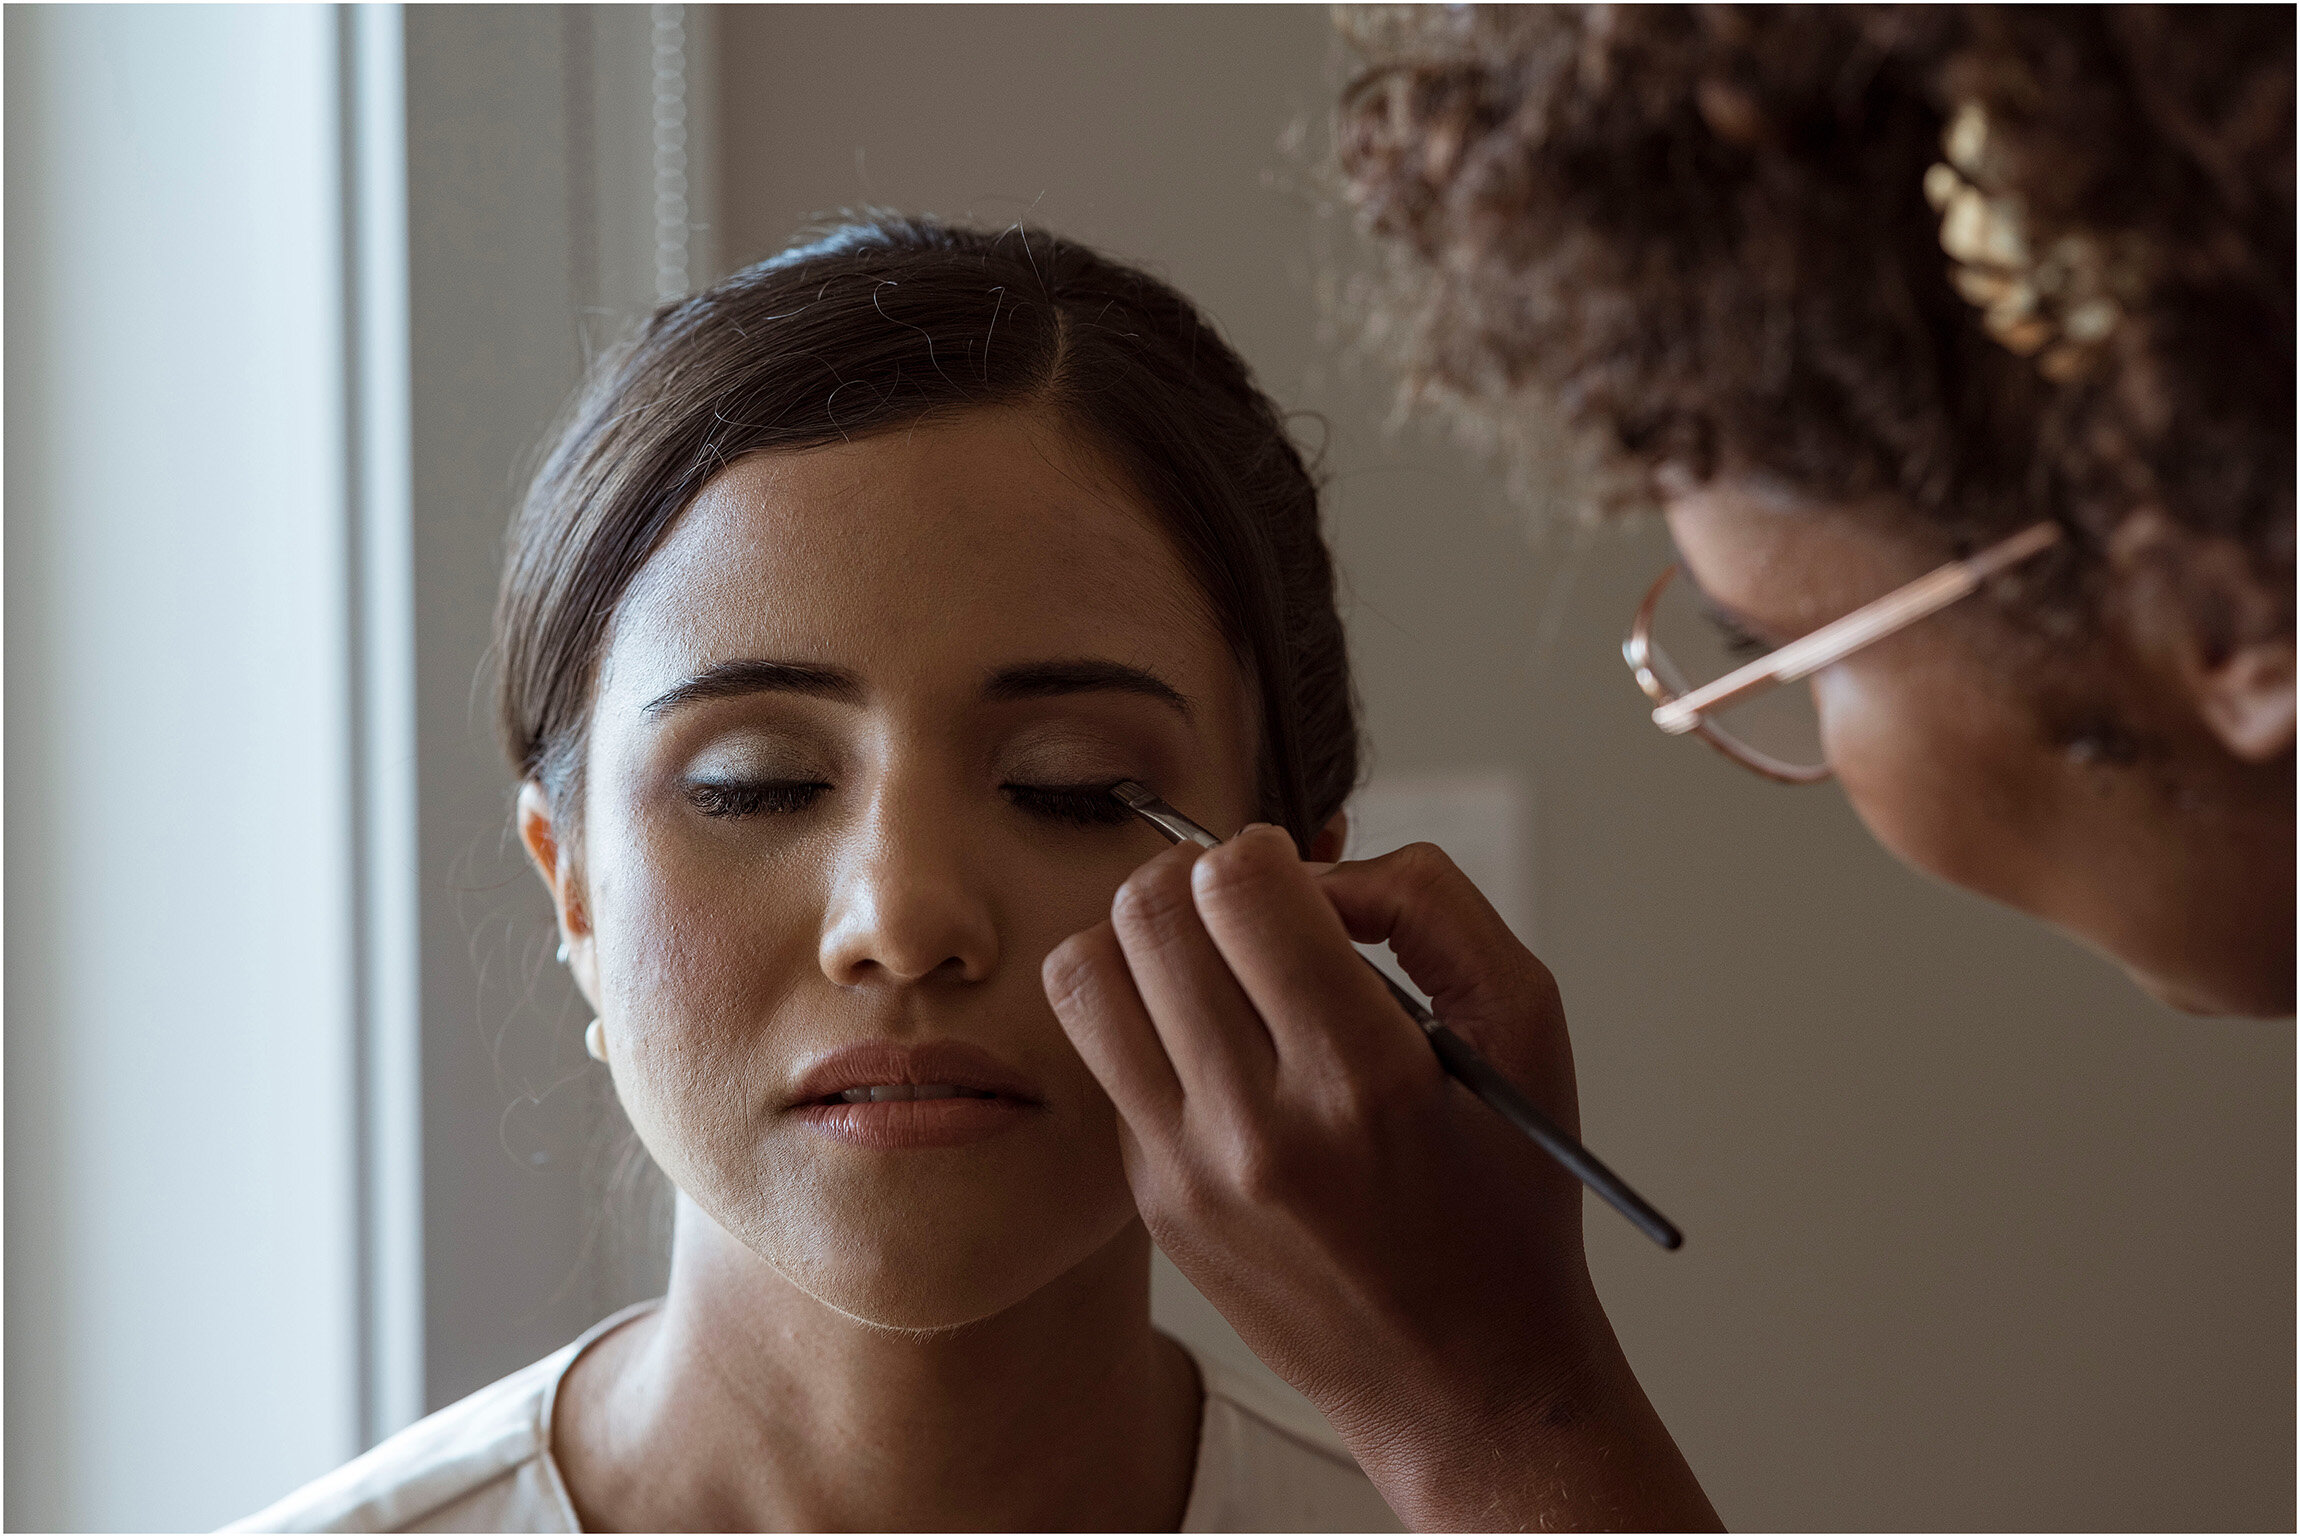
(2057, 305)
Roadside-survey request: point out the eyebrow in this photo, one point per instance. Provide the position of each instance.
(756, 676)
(1089, 675)
(1031, 680)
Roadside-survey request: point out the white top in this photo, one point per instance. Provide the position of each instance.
(485, 1465)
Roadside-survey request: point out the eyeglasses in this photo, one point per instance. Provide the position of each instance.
(1695, 663)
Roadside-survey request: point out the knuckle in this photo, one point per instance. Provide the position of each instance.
(1259, 1179)
(1237, 869)
(1263, 1172)
(1441, 884)
(1071, 972)
(1541, 983)
(1191, 1196)
(1425, 864)
(1154, 903)
(1528, 989)
(1363, 1107)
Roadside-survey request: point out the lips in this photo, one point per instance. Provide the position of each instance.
(934, 1094)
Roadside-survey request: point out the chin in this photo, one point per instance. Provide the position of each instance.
(2257, 993)
(2176, 994)
(2205, 1000)
(926, 1261)
(915, 1292)
(912, 1309)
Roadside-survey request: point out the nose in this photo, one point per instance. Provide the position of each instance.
(907, 900)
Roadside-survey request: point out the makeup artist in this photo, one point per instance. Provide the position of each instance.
(1851, 295)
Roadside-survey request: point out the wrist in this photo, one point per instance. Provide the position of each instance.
(1562, 1437)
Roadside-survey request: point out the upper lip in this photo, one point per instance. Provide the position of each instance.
(882, 1062)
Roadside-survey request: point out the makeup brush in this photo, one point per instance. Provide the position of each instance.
(1459, 1058)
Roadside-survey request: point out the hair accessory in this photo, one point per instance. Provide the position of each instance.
(2057, 304)
(563, 952)
(595, 1039)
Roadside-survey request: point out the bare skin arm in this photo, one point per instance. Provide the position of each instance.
(1380, 1238)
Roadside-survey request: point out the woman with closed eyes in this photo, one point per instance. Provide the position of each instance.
(849, 591)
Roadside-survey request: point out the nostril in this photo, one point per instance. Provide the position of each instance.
(951, 968)
(906, 931)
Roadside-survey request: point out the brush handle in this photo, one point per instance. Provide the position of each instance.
(1488, 1083)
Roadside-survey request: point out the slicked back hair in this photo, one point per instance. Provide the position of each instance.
(874, 325)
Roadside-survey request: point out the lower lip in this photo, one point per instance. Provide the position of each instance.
(914, 1122)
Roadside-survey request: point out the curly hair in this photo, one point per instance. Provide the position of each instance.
(1700, 238)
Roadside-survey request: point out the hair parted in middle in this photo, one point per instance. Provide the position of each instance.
(872, 325)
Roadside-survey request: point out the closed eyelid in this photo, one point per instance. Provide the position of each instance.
(1727, 617)
(1738, 627)
(1071, 751)
(760, 751)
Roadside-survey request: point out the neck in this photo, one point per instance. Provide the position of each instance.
(746, 1404)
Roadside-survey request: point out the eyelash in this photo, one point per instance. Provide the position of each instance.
(1080, 805)
(719, 798)
(1737, 637)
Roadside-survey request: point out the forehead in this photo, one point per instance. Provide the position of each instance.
(935, 550)
(1769, 553)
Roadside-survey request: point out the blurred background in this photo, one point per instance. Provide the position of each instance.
(300, 1139)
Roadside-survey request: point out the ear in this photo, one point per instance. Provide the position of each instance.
(1326, 848)
(541, 838)
(2246, 698)
(2198, 606)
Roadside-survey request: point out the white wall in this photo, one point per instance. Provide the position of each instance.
(294, 1148)
(533, 152)
(182, 1334)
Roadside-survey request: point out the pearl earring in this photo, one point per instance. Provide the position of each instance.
(595, 1040)
(563, 952)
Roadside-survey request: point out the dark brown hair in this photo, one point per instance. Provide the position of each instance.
(1701, 237)
(876, 324)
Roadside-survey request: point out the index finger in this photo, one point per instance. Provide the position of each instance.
(1208, 1023)
(1092, 993)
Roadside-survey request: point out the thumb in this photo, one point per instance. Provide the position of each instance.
(1479, 977)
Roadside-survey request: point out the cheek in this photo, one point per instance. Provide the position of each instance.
(1943, 771)
(697, 943)
(697, 956)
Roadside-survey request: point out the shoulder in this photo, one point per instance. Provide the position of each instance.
(480, 1465)
(1267, 1465)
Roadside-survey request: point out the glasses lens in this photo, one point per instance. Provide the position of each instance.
(1694, 644)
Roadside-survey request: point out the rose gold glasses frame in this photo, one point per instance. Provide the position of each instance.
(1679, 715)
